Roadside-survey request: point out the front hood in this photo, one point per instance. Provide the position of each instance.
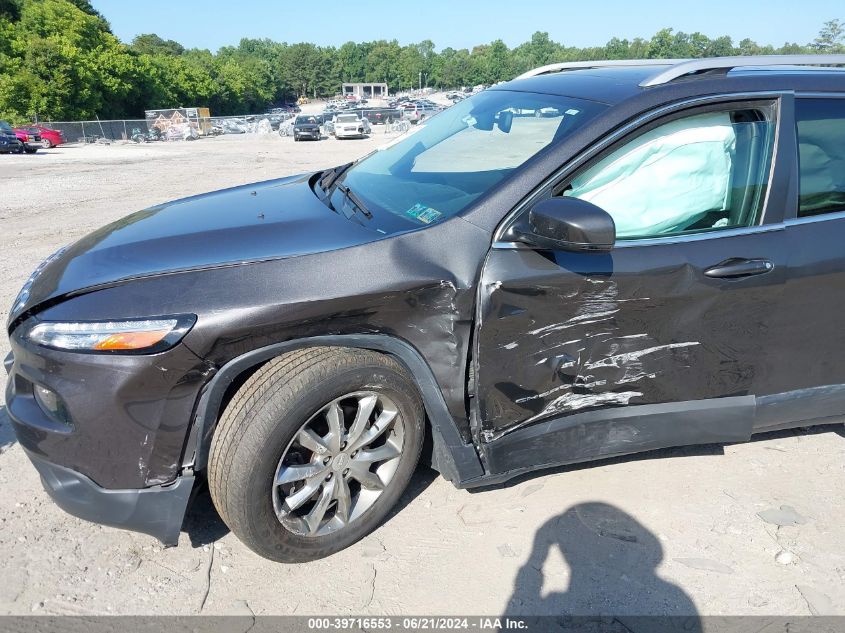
(257, 222)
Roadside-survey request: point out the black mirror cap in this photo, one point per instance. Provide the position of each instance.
(570, 224)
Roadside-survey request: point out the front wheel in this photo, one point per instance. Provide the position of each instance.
(314, 450)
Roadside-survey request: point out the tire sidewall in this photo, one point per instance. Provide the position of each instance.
(266, 532)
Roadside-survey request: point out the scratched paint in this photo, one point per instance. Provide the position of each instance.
(563, 333)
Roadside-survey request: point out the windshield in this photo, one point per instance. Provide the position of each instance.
(5, 126)
(463, 152)
(302, 120)
(347, 118)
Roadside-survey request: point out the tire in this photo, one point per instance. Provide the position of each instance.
(260, 430)
(30, 150)
(48, 144)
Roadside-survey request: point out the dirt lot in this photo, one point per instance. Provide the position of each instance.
(745, 529)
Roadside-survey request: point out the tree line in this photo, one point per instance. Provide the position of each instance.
(59, 60)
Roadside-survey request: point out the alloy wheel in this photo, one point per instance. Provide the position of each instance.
(338, 464)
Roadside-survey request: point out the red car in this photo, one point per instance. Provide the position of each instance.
(49, 138)
(31, 141)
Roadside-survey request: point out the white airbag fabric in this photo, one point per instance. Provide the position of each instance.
(666, 179)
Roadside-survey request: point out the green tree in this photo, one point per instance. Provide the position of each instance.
(661, 44)
(352, 59)
(10, 9)
(152, 44)
(412, 65)
(720, 47)
(831, 37)
(382, 63)
(63, 62)
(618, 49)
(498, 63)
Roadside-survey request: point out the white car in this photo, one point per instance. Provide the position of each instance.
(350, 126)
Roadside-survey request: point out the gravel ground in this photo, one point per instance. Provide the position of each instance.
(743, 529)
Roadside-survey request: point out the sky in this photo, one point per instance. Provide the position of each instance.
(464, 23)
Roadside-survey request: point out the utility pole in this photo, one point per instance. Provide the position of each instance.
(420, 80)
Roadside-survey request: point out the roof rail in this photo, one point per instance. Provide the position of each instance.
(688, 67)
(601, 63)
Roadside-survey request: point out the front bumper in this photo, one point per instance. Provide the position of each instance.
(349, 133)
(157, 511)
(315, 134)
(117, 463)
(125, 418)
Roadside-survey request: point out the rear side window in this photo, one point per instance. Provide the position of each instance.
(697, 173)
(821, 154)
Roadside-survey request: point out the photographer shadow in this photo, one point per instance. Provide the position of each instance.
(613, 584)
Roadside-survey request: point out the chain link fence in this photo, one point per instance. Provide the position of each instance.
(91, 131)
(125, 129)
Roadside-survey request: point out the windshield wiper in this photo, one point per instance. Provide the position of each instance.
(352, 197)
(330, 175)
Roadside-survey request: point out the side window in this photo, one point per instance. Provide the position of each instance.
(702, 172)
(821, 155)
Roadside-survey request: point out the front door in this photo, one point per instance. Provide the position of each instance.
(664, 340)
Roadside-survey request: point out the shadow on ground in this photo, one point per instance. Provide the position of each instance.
(612, 560)
(202, 522)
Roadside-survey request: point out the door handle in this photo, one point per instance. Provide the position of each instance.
(739, 267)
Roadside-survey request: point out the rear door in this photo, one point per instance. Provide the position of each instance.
(809, 374)
(664, 340)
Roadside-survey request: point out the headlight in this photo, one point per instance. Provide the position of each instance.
(23, 295)
(137, 336)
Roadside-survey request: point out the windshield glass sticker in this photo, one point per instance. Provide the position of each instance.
(424, 214)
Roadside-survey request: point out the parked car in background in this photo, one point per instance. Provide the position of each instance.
(276, 119)
(49, 137)
(381, 115)
(307, 126)
(398, 101)
(416, 112)
(231, 126)
(11, 143)
(31, 142)
(350, 126)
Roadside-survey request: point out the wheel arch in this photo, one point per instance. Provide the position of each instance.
(456, 461)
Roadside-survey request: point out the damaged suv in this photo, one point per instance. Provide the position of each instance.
(592, 260)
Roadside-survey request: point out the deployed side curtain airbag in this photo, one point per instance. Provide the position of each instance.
(666, 179)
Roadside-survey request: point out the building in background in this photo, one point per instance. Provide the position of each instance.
(365, 90)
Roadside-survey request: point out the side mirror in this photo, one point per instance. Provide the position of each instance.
(568, 224)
